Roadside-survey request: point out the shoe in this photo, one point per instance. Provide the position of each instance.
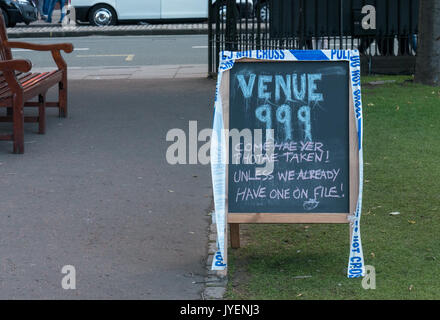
(43, 18)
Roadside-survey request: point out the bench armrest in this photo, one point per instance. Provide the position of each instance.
(55, 49)
(15, 65)
(66, 47)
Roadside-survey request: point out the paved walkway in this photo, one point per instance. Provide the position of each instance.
(97, 193)
(140, 72)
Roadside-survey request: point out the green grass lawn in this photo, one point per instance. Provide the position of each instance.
(401, 173)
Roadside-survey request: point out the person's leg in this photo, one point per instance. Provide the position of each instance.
(46, 4)
(62, 10)
(414, 42)
(50, 11)
(40, 9)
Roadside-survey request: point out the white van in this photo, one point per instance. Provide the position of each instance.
(110, 12)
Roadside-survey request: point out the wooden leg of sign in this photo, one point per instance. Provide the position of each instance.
(235, 235)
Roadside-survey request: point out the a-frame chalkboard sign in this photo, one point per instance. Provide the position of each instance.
(292, 135)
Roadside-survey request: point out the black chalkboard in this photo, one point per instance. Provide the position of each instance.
(307, 105)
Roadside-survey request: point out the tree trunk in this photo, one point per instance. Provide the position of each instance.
(428, 48)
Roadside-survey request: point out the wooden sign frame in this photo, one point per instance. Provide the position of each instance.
(235, 219)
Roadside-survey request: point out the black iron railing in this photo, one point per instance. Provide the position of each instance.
(241, 25)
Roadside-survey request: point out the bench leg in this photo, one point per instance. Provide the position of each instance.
(62, 96)
(18, 123)
(42, 114)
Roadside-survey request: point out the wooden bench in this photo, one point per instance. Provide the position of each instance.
(18, 86)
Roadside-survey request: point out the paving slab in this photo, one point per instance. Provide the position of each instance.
(140, 72)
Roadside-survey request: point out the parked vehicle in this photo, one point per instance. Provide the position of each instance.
(111, 12)
(244, 8)
(15, 11)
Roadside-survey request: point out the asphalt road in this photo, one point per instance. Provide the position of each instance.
(97, 193)
(124, 51)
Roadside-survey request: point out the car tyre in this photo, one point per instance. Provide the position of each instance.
(264, 12)
(222, 13)
(102, 15)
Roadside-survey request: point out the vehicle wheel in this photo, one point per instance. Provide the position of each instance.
(102, 15)
(264, 13)
(222, 13)
(5, 18)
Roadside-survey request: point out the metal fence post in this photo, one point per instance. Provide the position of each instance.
(210, 43)
(231, 26)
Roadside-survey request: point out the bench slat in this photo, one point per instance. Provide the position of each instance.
(19, 76)
(43, 85)
(29, 81)
(4, 85)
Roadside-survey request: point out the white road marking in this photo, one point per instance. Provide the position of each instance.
(128, 57)
(75, 49)
(200, 47)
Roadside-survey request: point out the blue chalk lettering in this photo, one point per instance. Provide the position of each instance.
(280, 83)
(262, 87)
(313, 96)
(246, 88)
(284, 116)
(304, 117)
(263, 114)
(299, 94)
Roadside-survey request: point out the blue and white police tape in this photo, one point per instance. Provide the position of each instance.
(218, 173)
